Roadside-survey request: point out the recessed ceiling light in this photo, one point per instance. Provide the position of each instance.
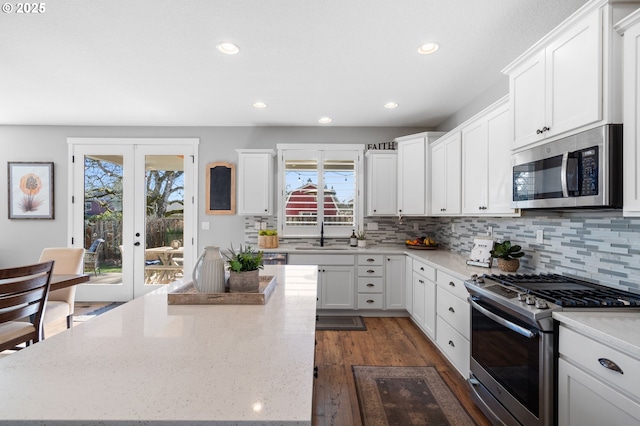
(259, 105)
(228, 48)
(428, 48)
(325, 120)
(391, 105)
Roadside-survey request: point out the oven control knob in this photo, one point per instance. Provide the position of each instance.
(541, 304)
(522, 297)
(531, 300)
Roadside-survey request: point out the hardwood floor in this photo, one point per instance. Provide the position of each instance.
(387, 342)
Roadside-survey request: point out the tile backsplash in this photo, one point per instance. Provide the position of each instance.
(602, 246)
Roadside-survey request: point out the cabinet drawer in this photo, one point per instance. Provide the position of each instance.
(424, 270)
(452, 284)
(455, 311)
(370, 284)
(370, 271)
(321, 259)
(370, 259)
(586, 352)
(454, 346)
(370, 301)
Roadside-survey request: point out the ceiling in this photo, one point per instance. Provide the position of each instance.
(154, 62)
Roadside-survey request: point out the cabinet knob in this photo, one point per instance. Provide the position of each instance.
(607, 363)
(374, 210)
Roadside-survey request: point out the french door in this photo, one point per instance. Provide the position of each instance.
(134, 211)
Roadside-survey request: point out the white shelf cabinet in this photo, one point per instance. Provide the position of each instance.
(630, 28)
(382, 183)
(255, 182)
(589, 393)
(414, 187)
(395, 281)
(569, 80)
(446, 175)
(486, 162)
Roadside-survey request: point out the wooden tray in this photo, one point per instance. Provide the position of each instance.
(188, 295)
(422, 247)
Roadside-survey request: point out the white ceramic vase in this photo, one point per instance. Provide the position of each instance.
(208, 274)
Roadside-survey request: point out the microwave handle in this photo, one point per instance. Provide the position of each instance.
(563, 175)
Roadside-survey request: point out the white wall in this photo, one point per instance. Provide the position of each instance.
(22, 240)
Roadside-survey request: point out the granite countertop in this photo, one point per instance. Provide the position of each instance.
(150, 363)
(619, 330)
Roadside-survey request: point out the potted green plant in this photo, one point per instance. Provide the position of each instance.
(362, 238)
(268, 238)
(508, 256)
(244, 266)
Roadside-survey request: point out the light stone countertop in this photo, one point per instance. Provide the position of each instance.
(444, 260)
(619, 330)
(149, 363)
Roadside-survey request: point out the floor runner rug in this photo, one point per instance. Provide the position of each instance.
(93, 314)
(405, 396)
(340, 323)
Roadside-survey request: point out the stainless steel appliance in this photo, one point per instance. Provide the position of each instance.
(583, 170)
(512, 340)
(274, 258)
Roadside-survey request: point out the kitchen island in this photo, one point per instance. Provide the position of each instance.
(150, 363)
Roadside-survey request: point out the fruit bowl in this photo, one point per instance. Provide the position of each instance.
(421, 247)
(422, 243)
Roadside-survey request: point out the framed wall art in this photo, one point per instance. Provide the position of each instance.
(221, 188)
(30, 190)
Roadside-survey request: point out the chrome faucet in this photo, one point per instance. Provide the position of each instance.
(322, 234)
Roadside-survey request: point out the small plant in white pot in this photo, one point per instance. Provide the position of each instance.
(362, 239)
(244, 268)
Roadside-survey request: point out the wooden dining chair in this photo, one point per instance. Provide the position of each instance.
(60, 303)
(23, 296)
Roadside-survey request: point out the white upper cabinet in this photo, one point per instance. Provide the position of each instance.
(446, 176)
(255, 181)
(382, 183)
(569, 80)
(486, 162)
(630, 27)
(414, 188)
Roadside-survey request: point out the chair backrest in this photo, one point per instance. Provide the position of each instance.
(95, 246)
(69, 261)
(23, 294)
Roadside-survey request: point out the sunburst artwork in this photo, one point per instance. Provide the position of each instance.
(30, 190)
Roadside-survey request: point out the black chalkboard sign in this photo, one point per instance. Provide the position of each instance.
(221, 188)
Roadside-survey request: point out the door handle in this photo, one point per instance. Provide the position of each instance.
(137, 243)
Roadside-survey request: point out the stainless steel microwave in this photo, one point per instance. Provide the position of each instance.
(583, 170)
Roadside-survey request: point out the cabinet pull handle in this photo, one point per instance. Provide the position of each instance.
(369, 301)
(452, 344)
(421, 282)
(546, 129)
(371, 260)
(607, 363)
(451, 309)
(370, 271)
(370, 285)
(421, 268)
(452, 284)
(538, 131)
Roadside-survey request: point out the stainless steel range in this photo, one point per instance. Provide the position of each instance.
(513, 343)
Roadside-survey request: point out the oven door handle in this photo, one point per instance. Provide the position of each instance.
(511, 326)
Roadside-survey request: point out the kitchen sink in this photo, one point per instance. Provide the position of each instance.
(323, 248)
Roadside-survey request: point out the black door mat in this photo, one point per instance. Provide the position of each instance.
(340, 323)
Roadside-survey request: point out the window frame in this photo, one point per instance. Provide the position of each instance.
(318, 152)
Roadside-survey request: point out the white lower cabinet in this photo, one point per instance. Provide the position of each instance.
(394, 270)
(424, 297)
(336, 278)
(408, 285)
(440, 309)
(589, 393)
(370, 281)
